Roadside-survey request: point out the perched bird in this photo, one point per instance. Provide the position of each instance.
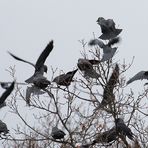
(108, 95)
(139, 76)
(65, 79)
(106, 137)
(40, 68)
(108, 51)
(57, 133)
(108, 28)
(87, 67)
(3, 128)
(4, 85)
(32, 90)
(6, 94)
(123, 129)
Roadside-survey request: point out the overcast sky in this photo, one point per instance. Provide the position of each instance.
(26, 26)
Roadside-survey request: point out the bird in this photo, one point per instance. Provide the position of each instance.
(87, 67)
(123, 129)
(106, 137)
(4, 85)
(6, 94)
(32, 90)
(40, 68)
(108, 51)
(139, 76)
(108, 95)
(65, 79)
(108, 28)
(3, 128)
(57, 133)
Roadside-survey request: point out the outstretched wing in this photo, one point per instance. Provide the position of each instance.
(43, 56)
(7, 93)
(19, 59)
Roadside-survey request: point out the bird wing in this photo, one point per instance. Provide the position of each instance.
(114, 41)
(19, 59)
(7, 93)
(41, 60)
(96, 42)
(139, 76)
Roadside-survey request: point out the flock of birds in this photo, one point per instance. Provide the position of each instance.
(40, 82)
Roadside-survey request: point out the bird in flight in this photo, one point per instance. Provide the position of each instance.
(108, 29)
(40, 68)
(86, 66)
(6, 94)
(108, 51)
(57, 133)
(65, 79)
(139, 76)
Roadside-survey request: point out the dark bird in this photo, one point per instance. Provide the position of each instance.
(3, 128)
(122, 129)
(40, 68)
(87, 67)
(65, 79)
(106, 137)
(108, 51)
(4, 85)
(108, 29)
(108, 95)
(139, 76)
(6, 94)
(57, 133)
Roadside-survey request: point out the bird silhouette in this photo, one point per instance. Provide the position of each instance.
(87, 67)
(6, 94)
(65, 79)
(122, 129)
(108, 51)
(139, 76)
(40, 68)
(108, 28)
(3, 128)
(57, 133)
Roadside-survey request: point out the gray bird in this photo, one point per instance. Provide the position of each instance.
(87, 67)
(108, 29)
(32, 90)
(40, 68)
(65, 79)
(6, 94)
(139, 76)
(108, 51)
(122, 129)
(3, 128)
(57, 133)
(108, 95)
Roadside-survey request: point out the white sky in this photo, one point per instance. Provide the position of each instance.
(26, 26)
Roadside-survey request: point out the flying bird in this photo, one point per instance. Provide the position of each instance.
(108, 28)
(139, 76)
(6, 93)
(65, 79)
(123, 129)
(108, 51)
(40, 68)
(87, 67)
(57, 133)
(108, 95)
(3, 128)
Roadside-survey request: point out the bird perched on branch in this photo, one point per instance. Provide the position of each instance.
(57, 133)
(3, 128)
(108, 29)
(6, 94)
(108, 95)
(139, 76)
(122, 129)
(108, 51)
(40, 68)
(87, 67)
(65, 79)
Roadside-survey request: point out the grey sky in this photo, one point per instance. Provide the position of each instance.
(26, 26)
